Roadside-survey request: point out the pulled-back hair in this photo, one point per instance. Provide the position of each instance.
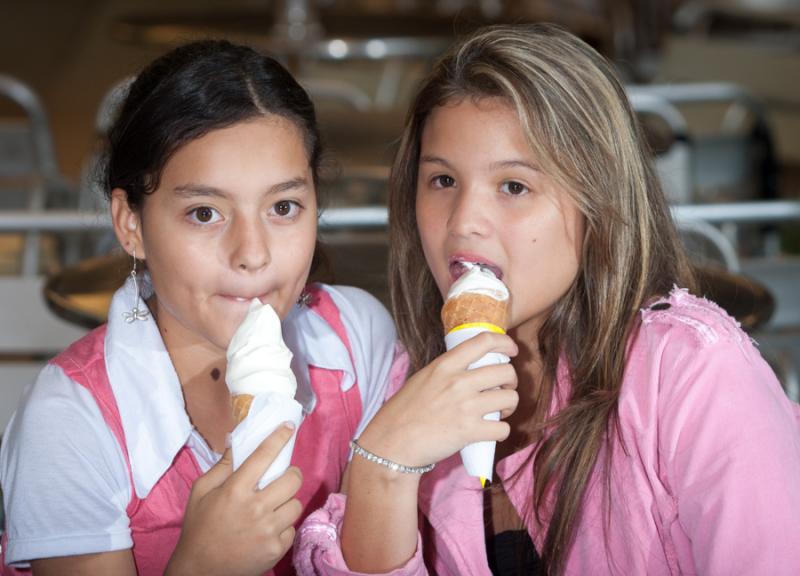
(187, 93)
(190, 91)
(579, 124)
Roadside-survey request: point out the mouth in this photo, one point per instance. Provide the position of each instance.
(458, 266)
(244, 299)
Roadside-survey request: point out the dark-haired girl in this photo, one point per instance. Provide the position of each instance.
(113, 462)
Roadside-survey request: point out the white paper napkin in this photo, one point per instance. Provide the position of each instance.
(267, 412)
(478, 457)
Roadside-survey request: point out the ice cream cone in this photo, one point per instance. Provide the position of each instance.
(477, 302)
(262, 386)
(469, 308)
(258, 360)
(241, 406)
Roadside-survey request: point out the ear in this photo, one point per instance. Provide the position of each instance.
(127, 223)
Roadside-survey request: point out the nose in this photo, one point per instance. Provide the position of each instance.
(249, 245)
(469, 214)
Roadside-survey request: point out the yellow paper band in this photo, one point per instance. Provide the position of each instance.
(484, 325)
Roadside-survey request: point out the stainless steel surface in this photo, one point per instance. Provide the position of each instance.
(772, 211)
(52, 221)
(377, 216)
(76, 221)
(41, 167)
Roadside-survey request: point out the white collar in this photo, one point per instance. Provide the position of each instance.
(149, 395)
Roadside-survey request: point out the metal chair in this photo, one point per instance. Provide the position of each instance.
(29, 174)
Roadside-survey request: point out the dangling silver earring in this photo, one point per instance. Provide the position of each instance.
(135, 313)
(305, 298)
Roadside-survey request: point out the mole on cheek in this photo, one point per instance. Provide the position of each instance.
(215, 374)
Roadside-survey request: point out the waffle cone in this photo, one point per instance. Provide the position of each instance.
(467, 308)
(241, 406)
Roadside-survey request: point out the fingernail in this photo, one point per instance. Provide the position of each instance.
(227, 440)
(289, 424)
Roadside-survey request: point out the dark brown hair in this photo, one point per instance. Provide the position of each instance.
(190, 91)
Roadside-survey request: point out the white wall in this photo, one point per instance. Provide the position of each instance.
(28, 329)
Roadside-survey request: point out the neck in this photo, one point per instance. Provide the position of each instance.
(529, 369)
(200, 367)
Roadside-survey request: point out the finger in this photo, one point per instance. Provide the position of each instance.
(490, 377)
(288, 513)
(287, 536)
(283, 488)
(216, 475)
(475, 348)
(506, 412)
(257, 463)
(280, 523)
(277, 541)
(489, 430)
(497, 400)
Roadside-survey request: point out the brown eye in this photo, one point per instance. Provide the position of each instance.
(283, 208)
(204, 214)
(514, 188)
(444, 181)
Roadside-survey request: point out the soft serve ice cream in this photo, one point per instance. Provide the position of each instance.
(262, 386)
(477, 302)
(258, 360)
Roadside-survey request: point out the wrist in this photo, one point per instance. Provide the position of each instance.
(360, 451)
(378, 478)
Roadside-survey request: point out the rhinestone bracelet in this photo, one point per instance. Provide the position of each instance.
(357, 449)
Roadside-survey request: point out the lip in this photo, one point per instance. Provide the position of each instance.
(456, 270)
(244, 298)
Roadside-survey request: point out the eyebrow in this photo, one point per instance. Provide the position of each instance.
(513, 164)
(199, 190)
(428, 159)
(493, 166)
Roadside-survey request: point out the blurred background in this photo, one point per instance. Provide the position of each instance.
(716, 83)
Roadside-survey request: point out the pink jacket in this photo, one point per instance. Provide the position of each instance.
(705, 472)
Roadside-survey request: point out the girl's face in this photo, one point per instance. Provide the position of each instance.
(481, 198)
(234, 218)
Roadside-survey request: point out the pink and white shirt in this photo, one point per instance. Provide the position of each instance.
(100, 455)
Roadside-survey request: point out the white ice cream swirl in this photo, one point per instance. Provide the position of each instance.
(258, 359)
(478, 280)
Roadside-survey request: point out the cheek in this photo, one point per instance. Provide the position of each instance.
(179, 264)
(294, 261)
(429, 226)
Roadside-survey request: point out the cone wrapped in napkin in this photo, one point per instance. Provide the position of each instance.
(477, 302)
(262, 386)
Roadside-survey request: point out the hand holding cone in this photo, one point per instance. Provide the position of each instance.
(260, 378)
(477, 302)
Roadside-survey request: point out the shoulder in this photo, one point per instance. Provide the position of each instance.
(685, 318)
(691, 338)
(84, 352)
(360, 310)
(689, 360)
(62, 471)
(61, 419)
(54, 401)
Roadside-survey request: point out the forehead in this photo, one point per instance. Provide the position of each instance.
(490, 126)
(265, 144)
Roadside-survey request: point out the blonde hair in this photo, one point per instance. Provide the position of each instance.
(582, 130)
